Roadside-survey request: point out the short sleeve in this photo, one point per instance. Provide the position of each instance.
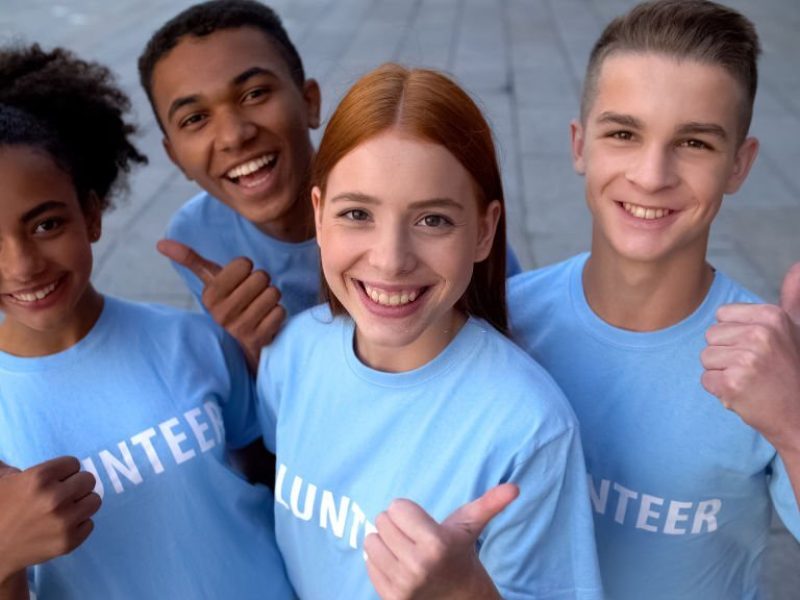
(542, 545)
(239, 410)
(783, 498)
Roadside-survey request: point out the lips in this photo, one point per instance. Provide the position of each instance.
(253, 172)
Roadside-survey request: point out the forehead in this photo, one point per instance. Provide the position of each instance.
(204, 65)
(393, 165)
(30, 177)
(664, 91)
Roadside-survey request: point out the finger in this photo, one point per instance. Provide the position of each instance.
(724, 357)
(743, 313)
(790, 292)
(380, 555)
(475, 515)
(58, 469)
(380, 581)
(85, 508)
(79, 534)
(232, 308)
(726, 334)
(268, 327)
(182, 254)
(77, 486)
(397, 542)
(412, 520)
(715, 384)
(227, 281)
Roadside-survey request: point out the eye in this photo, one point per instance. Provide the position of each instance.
(192, 120)
(256, 93)
(48, 225)
(355, 214)
(435, 221)
(621, 135)
(697, 144)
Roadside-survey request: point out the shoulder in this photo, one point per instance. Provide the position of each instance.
(308, 333)
(733, 291)
(198, 214)
(521, 389)
(160, 322)
(544, 278)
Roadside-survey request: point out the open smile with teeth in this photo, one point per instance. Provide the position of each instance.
(245, 173)
(393, 298)
(643, 212)
(35, 295)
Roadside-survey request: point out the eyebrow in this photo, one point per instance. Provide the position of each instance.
(703, 128)
(619, 119)
(42, 208)
(238, 80)
(427, 203)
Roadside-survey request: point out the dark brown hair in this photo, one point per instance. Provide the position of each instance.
(431, 107)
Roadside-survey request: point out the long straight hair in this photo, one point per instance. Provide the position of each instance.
(427, 105)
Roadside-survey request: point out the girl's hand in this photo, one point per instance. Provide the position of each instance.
(413, 556)
(45, 512)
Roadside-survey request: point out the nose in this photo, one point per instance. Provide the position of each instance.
(233, 130)
(20, 261)
(653, 169)
(392, 251)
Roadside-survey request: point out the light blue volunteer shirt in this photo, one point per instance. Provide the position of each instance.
(350, 439)
(148, 401)
(219, 233)
(680, 487)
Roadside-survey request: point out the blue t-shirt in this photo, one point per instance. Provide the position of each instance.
(680, 487)
(219, 233)
(148, 401)
(350, 439)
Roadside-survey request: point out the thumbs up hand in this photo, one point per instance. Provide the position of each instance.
(413, 556)
(752, 363)
(237, 297)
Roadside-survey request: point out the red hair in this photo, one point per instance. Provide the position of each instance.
(430, 106)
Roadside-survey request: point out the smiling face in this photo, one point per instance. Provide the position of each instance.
(659, 149)
(45, 254)
(238, 124)
(399, 231)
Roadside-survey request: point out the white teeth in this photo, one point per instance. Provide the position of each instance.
(645, 213)
(34, 296)
(390, 298)
(251, 166)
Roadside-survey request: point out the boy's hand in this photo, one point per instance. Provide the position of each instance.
(752, 363)
(237, 297)
(413, 556)
(45, 512)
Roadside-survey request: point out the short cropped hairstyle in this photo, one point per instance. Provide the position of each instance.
(699, 30)
(204, 19)
(431, 107)
(72, 110)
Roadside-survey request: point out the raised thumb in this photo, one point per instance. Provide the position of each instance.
(474, 516)
(790, 292)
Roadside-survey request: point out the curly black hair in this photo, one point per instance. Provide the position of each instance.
(81, 116)
(204, 19)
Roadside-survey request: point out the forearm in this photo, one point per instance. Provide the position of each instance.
(790, 455)
(14, 587)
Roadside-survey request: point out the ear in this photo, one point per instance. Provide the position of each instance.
(171, 154)
(94, 217)
(576, 134)
(313, 99)
(487, 227)
(316, 202)
(742, 162)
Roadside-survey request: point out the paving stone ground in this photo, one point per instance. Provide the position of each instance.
(523, 60)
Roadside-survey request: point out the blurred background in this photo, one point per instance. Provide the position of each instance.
(523, 60)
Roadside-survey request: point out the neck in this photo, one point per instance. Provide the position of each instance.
(645, 296)
(425, 348)
(20, 340)
(297, 225)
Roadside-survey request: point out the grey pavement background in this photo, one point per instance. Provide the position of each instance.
(523, 60)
